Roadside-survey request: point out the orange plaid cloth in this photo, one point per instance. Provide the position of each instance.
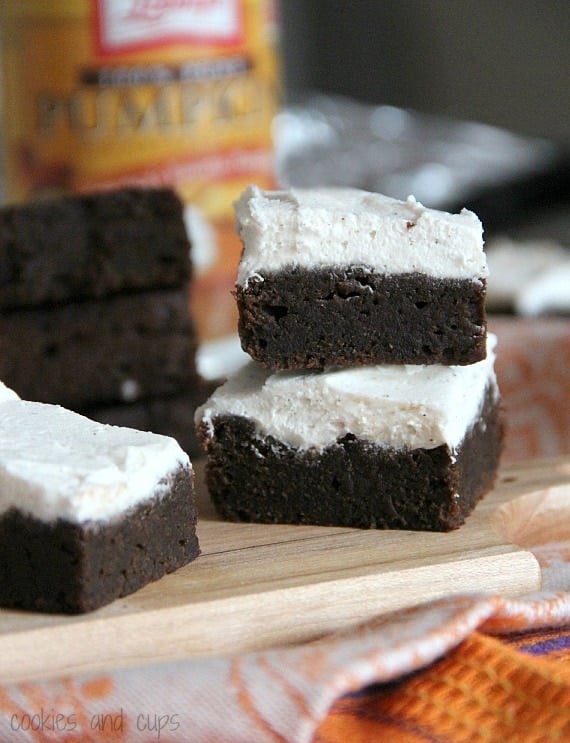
(485, 691)
(430, 673)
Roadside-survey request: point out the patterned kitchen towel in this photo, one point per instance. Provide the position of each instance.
(445, 671)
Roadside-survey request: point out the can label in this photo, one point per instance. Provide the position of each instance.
(100, 94)
(127, 25)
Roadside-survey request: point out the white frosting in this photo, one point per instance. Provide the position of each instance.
(344, 226)
(400, 406)
(58, 464)
(7, 394)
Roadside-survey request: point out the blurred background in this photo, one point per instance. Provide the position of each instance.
(462, 103)
(504, 63)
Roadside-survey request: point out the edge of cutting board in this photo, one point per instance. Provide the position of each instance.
(259, 586)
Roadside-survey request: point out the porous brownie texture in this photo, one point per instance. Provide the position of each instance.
(69, 568)
(86, 353)
(95, 245)
(351, 482)
(303, 318)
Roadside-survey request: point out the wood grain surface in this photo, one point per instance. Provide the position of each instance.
(258, 586)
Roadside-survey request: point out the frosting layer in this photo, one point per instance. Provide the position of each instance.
(401, 406)
(7, 394)
(343, 226)
(58, 464)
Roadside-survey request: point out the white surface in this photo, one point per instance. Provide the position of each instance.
(7, 394)
(392, 405)
(547, 293)
(220, 357)
(58, 464)
(532, 277)
(331, 226)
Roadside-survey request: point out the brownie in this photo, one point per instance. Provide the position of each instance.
(124, 348)
(351, 482)
(65, 567)
(312, 318)
(93, 245)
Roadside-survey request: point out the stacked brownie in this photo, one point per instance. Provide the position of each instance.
(94, 309)
(371, 399)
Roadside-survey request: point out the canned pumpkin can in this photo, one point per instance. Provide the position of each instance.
(99, 94)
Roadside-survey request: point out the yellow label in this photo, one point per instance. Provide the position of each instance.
(138, 91)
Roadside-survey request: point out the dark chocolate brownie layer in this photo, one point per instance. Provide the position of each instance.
(119, 349)
(92, 246)
(314, 318)
(352, 482)
(68, 568)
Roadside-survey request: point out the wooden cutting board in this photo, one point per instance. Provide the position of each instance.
(258, 586)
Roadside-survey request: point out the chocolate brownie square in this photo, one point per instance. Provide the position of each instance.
(342, 276)
(93, 245)
(388, 446)
(121, 349)
(88, 512)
